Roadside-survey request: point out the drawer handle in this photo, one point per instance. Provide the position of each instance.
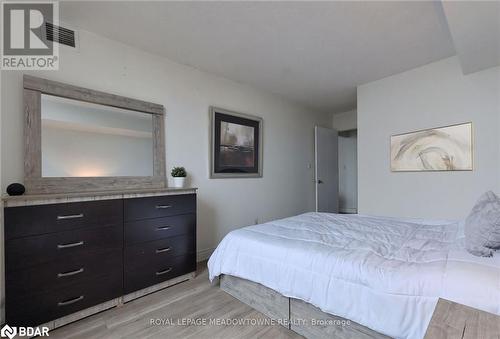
(163, 228)
(162, 207)
(72, 216)
(68, 274)
(161, 250)
(164, 271)
(71, 301)
(74, 244)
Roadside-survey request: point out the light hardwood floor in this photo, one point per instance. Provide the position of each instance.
(193, 299)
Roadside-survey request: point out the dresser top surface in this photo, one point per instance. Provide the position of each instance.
(43, 199)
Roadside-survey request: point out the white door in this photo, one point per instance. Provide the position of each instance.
(327, 169)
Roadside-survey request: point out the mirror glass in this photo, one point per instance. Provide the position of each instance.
(81, 139)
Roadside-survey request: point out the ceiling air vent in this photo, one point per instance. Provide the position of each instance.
(59, 34)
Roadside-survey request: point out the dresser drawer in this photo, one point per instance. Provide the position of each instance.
(34, 220)
(155, 272)
(64, 271)
(39, 308)
(160, 206)
(37, 250)
(159, 228)
(158, 251)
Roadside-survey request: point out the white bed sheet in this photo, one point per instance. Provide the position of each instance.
(384, 273)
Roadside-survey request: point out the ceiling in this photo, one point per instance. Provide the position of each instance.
(475, 28)
(314, 53)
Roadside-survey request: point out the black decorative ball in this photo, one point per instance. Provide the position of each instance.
(16, 189)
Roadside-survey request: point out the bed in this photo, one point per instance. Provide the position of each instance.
(385, 274)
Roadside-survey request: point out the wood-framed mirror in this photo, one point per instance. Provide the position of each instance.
(81, 140)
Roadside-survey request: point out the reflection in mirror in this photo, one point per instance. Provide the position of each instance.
(81, 139)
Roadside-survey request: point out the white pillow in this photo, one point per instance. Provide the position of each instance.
(482, 226)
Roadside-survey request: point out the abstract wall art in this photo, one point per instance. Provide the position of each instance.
(236, 144)
(438, 149)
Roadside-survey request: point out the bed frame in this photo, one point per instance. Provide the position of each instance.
(295, 314)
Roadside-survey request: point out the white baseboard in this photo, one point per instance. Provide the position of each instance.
(204, 254)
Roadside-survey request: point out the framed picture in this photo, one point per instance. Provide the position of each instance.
(446, 148)
(236, 144)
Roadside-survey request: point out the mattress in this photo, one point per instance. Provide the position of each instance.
(384, 273)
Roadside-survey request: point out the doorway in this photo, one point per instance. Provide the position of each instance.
(348, 171)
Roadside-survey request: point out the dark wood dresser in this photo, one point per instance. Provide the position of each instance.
(67, 257)
(159, 239)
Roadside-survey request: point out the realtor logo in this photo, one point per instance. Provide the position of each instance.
(8, 331)
(24, 38)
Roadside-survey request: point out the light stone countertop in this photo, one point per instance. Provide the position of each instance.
(45, 199)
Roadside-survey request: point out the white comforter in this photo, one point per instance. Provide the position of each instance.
(384, 273)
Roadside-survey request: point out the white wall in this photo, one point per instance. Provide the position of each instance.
(345, 121)
(223, 204)
(434, 95)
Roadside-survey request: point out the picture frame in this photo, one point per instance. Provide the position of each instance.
(236, 144)
(444, 148)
